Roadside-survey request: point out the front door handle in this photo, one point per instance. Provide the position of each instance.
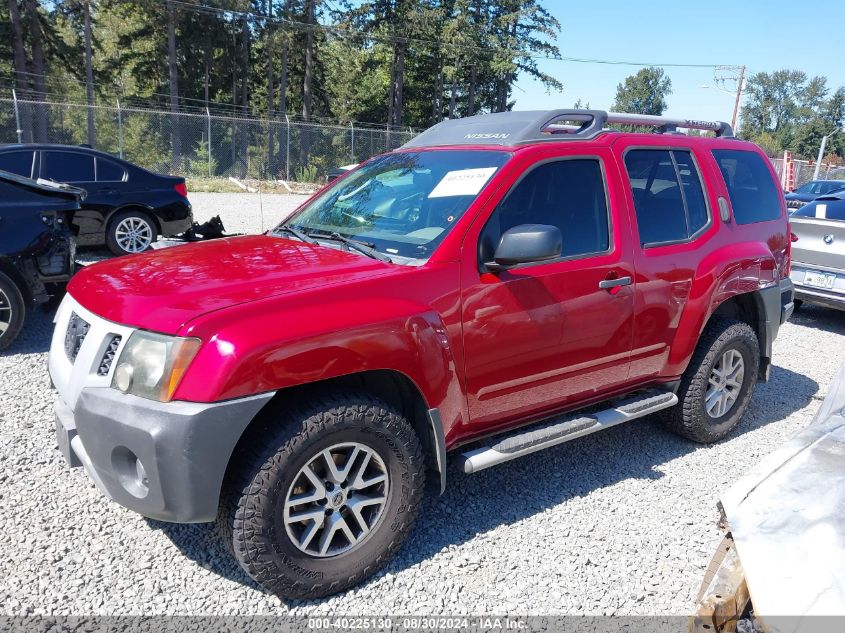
(606, 284)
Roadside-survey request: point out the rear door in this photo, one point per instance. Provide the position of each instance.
(79, 169)
(544, 336)
(673, 223)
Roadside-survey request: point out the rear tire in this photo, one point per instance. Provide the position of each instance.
(282, 473)
(705, 413)
(130, 232)
(12, 311)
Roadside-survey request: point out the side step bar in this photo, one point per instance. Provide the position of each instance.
(562, 429)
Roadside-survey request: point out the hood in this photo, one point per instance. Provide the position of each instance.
(165, 289)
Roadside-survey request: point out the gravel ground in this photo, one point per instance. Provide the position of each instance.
(621, 522)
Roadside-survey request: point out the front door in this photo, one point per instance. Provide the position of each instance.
(544, 336)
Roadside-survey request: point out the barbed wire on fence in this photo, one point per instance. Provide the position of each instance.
(200, 144)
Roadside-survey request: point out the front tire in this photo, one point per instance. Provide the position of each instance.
(318, 504)
(717, 386)
(12, 311)
(130, 232)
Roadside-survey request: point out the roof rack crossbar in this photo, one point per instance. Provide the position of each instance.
(521, 127)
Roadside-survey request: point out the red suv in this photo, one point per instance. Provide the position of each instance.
(499, 285)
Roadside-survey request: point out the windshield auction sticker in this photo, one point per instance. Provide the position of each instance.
(464, 182)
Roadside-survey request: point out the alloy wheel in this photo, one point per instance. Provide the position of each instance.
(336, 499)
(6, 312)
(133, 234)
(724, 384)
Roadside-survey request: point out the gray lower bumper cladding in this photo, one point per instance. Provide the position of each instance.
(165, 461)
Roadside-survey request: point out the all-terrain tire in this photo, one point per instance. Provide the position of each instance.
(689, 418)
(12, 311)
(118, 243)
(252, 506)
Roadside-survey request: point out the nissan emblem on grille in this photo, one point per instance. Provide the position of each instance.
(77, 328)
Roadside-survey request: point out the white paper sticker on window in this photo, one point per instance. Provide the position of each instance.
(821, 211)
(464, 182)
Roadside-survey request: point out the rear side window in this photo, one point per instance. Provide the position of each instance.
(668, 196)
(822, 209)
(754, 196)
(67, 167)
(19, 163)
(568, 194)
(108, 171)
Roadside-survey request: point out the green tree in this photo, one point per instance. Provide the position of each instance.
(644, 92)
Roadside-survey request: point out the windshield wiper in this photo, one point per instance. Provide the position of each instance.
(354, 245)
(302, 237)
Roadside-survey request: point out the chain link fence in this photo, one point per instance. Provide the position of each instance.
(804, 170)
(200, 145)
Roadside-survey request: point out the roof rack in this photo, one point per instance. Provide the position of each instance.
(520, 127)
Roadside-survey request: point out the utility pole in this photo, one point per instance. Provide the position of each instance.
(821, 152)
(724, 74)
(739, 87)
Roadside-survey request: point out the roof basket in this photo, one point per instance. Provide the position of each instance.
(517, 128)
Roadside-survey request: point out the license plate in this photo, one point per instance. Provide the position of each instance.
(819, 280)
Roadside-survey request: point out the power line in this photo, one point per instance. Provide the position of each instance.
(394, 39)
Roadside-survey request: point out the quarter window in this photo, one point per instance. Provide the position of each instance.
(108, 171)
(568, 194)
(754, 197)
(68, 167)
(668, 196)
(18, 163)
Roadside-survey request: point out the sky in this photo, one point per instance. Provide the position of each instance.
(764, 36)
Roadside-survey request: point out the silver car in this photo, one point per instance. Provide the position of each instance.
(818, 251)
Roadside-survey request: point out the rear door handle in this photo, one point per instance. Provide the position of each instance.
(606, 284)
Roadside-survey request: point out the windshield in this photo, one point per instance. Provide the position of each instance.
(401, 204)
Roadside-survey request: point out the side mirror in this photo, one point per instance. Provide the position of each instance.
(527, 243)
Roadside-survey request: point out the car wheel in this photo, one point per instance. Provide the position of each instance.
(797, 303)
(12, 311)
(130, 232)
(716, 388)
(324, 501)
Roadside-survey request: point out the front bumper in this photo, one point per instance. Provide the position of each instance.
(165, 461)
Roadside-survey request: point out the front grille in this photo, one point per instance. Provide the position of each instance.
(77, 330)
(108, 357)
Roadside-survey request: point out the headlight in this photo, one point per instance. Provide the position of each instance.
(152, 365)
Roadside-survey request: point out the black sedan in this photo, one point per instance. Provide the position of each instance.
(126, 208)
(809, 191)
(36, 246)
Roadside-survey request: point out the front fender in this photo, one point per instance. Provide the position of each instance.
(269, 350)
(729, 271)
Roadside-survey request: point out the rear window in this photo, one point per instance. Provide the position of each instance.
(754, 196)
(823, 210)
(67, 167)
(19, 163)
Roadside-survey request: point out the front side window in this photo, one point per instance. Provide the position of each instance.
(751, 188)
(568, 194)
(402, 204)
(18, 163)
(67, 167)
(668, 197)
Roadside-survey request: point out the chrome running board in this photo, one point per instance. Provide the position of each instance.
(562, 429)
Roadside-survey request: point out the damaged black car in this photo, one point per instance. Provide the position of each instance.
(36, 246)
